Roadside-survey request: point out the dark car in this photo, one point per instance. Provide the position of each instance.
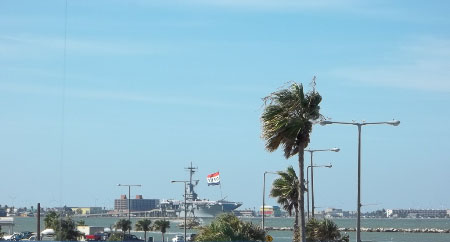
(26, 234)
(131, 237)
(191, 237)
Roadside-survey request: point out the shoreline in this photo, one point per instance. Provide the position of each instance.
(379, 230)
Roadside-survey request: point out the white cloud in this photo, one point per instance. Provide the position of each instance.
(424, 65)
(121, 96)
(20, 45)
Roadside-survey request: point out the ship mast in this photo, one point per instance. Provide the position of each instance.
(191, 195)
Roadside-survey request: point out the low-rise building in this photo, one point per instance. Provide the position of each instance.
(7, 222)
(244, 213)
(270, 211)
(137, 204)
(86, 210)
(417, 213)
(335, 213)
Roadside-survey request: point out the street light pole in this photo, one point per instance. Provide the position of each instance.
(129, 199)
(307, 183)
(185, 205)
(358, 203)
(312, 174)
(264, 196)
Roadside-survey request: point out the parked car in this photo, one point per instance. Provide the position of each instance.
(13, 237)
(99, 236)
(93, 237)
(190, 237)
(131, 237)
(178, 238)
(26, 235)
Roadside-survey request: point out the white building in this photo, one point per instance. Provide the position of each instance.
(335, 213)
(417, 213)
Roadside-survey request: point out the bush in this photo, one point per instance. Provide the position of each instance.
(228, 227)
(64, 228)
(115, 237)
(324, 230)
(67, 230)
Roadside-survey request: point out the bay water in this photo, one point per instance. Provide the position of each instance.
(29, 224)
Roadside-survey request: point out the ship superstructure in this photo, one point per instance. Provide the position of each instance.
(197, 207)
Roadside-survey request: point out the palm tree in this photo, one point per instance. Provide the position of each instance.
(312, 229)
(325, 230)
(67, 230)
(1, 233)
(161, 225)
(285, 189)
(143, 225)
(51, 220)
(124, 225)
(81, 223)
(227, 227)
(287, 121)
(328, 230)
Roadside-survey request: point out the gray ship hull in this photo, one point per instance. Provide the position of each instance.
(213, 208)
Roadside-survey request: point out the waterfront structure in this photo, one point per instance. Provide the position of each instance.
(138, 204)
(244, 213)
(270, 211)
(86, 210)
(335, 213)
(203, 207)
(7, 222)
(417, 213)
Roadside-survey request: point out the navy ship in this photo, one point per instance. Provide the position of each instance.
(197, 207)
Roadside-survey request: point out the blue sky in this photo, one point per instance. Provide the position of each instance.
(153, 85)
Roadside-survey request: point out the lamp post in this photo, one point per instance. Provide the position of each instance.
(129, 198)
(264, 196)
(358, 203)
(185, 207)
(307, 182)
(312, 173)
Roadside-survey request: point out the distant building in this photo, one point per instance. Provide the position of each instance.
(335, 213)
(270, 211)
(137, 204)
(417, 213)
(244, 213)
(7, 222)
(86, 210)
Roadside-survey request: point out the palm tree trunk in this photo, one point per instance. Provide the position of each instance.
(162, 237)
(301, 197)
(295, 237)
(296, 218)
(145, 236)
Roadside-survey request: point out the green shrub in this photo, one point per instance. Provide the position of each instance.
(228, 227)
(324, 230)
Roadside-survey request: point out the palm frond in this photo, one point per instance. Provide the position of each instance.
(286, 119)
(285, 189)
